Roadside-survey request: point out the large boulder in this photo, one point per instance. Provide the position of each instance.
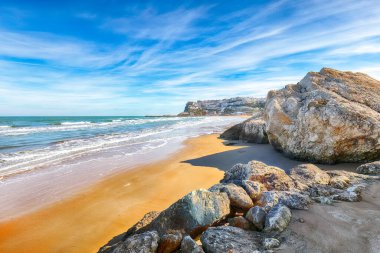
(252, 130)
(193, 213)
(272, 178)
(306, 175)
(277, 218)
(252, 188)
(229, 239)
(328, 117)
(369, 168)
(239, 199)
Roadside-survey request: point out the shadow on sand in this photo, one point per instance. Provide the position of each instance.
(261, 152)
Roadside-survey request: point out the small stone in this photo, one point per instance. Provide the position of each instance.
(256, 215)
(270, 243)
(277, 218)
(301, 220)
(169, 242)
(237, 195)
(369, 168)
(324, 200)
(240, 222)
(188, 245)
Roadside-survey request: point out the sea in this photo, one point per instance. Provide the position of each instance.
(29, 144)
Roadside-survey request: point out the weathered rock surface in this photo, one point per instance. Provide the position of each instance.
(270, 243)
(277, 218)
(252, 188)
(139, 243)
(238, 105)
(256, 215)
(251, 130)
(193, 213)
(272, 178)
(239, 199)
(188, 245)
(339, 182)
(240, 222)
(169, 242)
(294, 200)
(369, 168)
(328, 117)
(229, 239)
(306, 175)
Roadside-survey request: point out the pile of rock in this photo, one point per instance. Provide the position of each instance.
(245, 212)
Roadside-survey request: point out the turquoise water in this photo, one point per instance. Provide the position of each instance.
(28, 143)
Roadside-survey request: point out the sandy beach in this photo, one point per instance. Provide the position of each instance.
(90, 218)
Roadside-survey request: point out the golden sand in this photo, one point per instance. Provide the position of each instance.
(86, 221)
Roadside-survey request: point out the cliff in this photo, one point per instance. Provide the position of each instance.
(231, 106)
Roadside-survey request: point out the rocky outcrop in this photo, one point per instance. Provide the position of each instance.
(369, 168)
(328, 117)
(231, 218)
(193, 213)
(231, 106)
(229, 239)
(272, 178)
(252, 131)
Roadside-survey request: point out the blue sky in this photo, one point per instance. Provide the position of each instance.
(150, 57)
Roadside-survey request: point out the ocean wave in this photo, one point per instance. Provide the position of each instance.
(61, 151)
(78, 125)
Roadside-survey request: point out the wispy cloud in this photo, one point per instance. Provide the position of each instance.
(153, 56)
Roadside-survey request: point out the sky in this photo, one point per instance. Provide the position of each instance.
(151, 57)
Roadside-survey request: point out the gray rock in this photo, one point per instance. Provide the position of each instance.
(277, 218)
(328, 117)
(252, 188)
(188, 245)
(193, 213)
(229, 239)
(294, 200)
(148, 217)
(369, 168)
(324, 200)
(139, 243)
(306, 175)
(239, 198)
(251, 130)
(272, 178)
(339, 182)
(170, 242)
(240, 222)
(351, 194)
(270, 243)
(256, 215)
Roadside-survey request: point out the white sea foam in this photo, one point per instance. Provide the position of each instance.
(124, 144)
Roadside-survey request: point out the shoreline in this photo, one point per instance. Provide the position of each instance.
(93, 216)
